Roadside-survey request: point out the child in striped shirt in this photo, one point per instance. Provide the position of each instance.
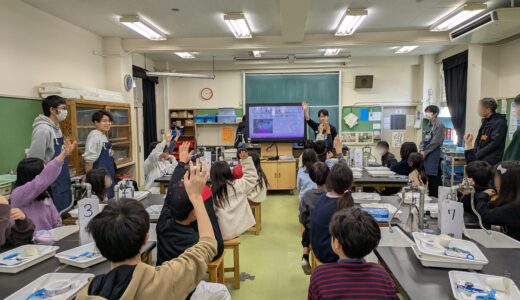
(354, 235)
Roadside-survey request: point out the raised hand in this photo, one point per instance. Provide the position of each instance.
(338, 145)
(195, 179)
(185, 153)
(305, 106)
(167, 136)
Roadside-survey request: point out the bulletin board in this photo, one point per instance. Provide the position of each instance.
(505, 107)
(368, 124)
(16, 118)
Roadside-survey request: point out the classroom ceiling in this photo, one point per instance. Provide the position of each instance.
(278, 26)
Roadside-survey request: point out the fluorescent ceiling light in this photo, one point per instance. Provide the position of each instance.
(238, 25)
(458, 16)
(261, 61)
(179, 75)
(185, 55)
(143, 27)
(322, 60)
(351, 21)
(256, 53)
(331, 52)
(405, 49)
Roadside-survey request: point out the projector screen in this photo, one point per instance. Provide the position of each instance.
(276, 122)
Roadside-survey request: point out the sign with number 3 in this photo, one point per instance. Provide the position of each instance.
(88, 208)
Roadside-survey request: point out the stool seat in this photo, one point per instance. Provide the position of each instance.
(232, 242)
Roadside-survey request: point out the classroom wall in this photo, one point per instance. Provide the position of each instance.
(509, 69)
(43, 48)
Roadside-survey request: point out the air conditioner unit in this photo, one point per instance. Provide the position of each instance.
(492, 27)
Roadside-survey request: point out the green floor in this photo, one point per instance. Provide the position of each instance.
(273, 257)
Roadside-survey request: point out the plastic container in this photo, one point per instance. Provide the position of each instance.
(409, 196)
(154, 211)
(227, 118)
(210, 119)
(493, 240)
(391, 209)
(83, 261)
(436, 262)
(226, 111)
(380, 173)
(505, 287)
(77, 282)
(377, 169)
(44, 252)
(59, 233)
(362, 197)
(379, 214)
(199, 119)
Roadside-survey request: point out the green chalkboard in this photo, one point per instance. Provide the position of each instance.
(363, 125)
(319, 89)
(16, 118)
(508, 115)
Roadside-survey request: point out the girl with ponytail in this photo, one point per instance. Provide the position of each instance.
(338, 197)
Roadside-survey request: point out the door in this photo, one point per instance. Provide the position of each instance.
(286, 175)
(409, 133)
(270, 169)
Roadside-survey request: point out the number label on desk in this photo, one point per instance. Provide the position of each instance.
(452, 220)
(88, 208)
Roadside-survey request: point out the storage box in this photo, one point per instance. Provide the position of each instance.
(210, 119)
(226, 111)
(182, 114)
(227, 118)
(188, 123)
(199, 119)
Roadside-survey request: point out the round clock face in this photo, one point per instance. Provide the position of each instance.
(129, 82)
(206, 93)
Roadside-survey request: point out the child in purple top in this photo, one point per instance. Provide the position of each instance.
(30, 192)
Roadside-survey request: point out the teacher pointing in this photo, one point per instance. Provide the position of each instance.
(433, 137)
(323, 130)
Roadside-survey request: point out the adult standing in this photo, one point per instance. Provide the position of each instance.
(322, 130)
(242, 134)
(98, 149)
(513, 150)
(47, 143)
(433, 137)
(491, 138)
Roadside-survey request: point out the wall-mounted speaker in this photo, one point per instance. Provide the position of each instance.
(364, 81)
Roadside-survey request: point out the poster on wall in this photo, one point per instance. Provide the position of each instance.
(514, 123)
(365, 137)
(349, 137)
(397, 139)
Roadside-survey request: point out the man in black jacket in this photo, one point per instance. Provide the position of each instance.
(491, 139)
(323, 130)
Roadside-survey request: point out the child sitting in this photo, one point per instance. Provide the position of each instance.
(320, 148)
(339, 183)
(354, 235)
(30, 194)
(387, 158)
(121, 230)
(504, 211)
(160, 162)
(15, 228)
(479, 175)
(175, 229)
(402, 167)
(418, 174)
(259, 193)
(100, 181)
(303, 181)
(318, 173)
(230, 196)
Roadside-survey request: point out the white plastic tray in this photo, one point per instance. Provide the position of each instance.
(82, 262)
(140, 195)
(381, 173)
(377, 169)
(470, 246)
(59, 233)
(409, 196)
(357, 175)
(154, 211)
(366, 197)
(505, 287)
(495, 240)
(391, 209)
(436, 262)
(44, 252)
(79, 281)
(74, 212)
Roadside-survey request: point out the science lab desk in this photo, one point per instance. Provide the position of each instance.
(163, 183)
(10, 283)
(379, 183)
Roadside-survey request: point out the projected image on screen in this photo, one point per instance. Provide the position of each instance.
(276, 122)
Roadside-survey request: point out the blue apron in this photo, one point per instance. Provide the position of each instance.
(61, 193)
(432, 160)
(105, 160)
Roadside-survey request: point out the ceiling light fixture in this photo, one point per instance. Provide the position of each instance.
(143, 27)
(261, 61)
(185, 55)
(331, 52)
(256, 53)
(238, 25)
(179, 75)
(405, 49)
(458, 16)
(351, 20)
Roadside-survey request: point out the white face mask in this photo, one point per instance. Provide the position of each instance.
(62, 115)
(429, 115)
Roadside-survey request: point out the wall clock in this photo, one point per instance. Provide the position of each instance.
(129, 82)
(206, 93)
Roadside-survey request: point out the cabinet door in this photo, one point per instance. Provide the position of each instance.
(271, 172)
(286, 175)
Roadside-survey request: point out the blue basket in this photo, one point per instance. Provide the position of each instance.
(211, 119)
(227, 118)
(226, 111)
(199, 119)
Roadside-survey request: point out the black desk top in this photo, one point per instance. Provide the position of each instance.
(10, 283)
(418, 281)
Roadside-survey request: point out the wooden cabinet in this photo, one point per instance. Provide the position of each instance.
(281, 174)
(79, 123)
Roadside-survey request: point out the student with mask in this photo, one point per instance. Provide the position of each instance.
(433, 137)
(98, 149)
(387, 159)
(513, 150)
(323, 130)
(491, 138)
(46, 144)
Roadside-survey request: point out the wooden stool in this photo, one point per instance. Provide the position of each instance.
(216, 270)
(257, 212)
(234, 246)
